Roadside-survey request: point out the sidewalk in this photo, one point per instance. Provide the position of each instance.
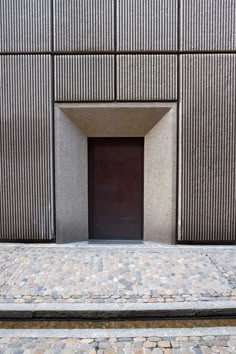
(139, 341)
(113, 274)
(117, 281)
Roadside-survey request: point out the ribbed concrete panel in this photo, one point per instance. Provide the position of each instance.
(208, 151)
(147, 25)
(26, 204)
(147, 77)
(208, 25)
(84, 78)
(83, 25)
(25, 26)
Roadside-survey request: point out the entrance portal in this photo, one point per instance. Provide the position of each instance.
(115, 173)
(76, 125)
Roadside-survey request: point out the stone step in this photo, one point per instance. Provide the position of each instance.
(132, 311)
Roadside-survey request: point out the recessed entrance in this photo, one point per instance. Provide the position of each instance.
(75, 125)
(115, 174)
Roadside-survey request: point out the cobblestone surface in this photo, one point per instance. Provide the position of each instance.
(137, 345)
(30, 274)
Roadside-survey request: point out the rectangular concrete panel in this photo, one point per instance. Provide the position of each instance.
(26, 201)
(160, 180)
(147, 77)
(83, 25)
(25, 26)
(207, 189)
(149, 25)
(71, 172)
(208, 25)
(84, 78)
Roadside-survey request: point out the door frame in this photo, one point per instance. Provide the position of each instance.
(157, 122)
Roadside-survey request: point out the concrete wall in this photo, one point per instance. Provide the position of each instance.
(83, 54)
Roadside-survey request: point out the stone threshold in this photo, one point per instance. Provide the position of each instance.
(128, 311)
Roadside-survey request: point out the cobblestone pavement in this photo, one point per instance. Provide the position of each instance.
(137, 345)
(34, 274)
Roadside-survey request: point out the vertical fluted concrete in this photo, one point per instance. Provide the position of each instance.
(207, 170)
(25, 26)
(26, 201)
(84, 25)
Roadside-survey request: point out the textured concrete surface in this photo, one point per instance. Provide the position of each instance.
(115, 120)
(114, 275)
(123, 342)
(154, 121)
(160, 180)
(71, 174)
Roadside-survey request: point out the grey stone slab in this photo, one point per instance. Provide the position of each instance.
(107, 333)
(117, 311)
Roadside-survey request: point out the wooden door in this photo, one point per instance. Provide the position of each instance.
(115, 172)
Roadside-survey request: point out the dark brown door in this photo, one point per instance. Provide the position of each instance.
(115, 168)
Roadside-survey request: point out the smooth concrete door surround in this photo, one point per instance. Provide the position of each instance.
(115, 173)
(155, 123)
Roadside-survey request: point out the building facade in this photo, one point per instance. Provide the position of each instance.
(118, 120)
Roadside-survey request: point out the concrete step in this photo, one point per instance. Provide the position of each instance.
(95, 311)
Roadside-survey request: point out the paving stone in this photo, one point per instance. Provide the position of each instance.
(177, 351)
(197, 350)
(187, 344)
(181, 339)
(87, 340)
(108, 346)
(206, 350)
(109, 351)
(101, 339)
(115, 275)
(208, 338)
(164, 344)
(221, 342)
(153, 339)
(120, 345)
(195, 339)
(137, 345)
(232, 342)
(188, 351)
(139, 339)
(125, 339)
(157, 351)
(104, 345)
(149, 344)
(167, 351)
(147, 351)
(226, 351)
(174, 344)
(138, 351)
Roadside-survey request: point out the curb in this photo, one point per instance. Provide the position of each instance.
(98, 311)
(119, 333)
